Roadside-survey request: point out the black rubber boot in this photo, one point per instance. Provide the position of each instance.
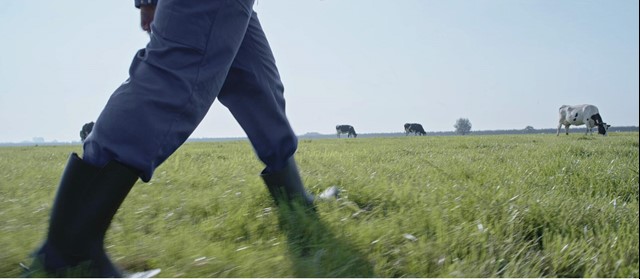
(286, 185)
(87, 199)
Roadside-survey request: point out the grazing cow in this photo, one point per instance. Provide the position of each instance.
(414, 128)
(346, 129)
(86, 129)
(582, 115)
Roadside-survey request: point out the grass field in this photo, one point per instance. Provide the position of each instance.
(450, 206)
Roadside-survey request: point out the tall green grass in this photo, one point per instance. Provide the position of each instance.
(473, 206)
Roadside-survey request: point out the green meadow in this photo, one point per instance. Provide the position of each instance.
(445, 206)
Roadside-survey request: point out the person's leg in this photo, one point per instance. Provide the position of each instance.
(253, 93)
(172, 84)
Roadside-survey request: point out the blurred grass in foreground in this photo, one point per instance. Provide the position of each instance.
(472, 206)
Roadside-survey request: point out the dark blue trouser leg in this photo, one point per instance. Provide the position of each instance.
(172, 84)
(198, 50)
(253, 93)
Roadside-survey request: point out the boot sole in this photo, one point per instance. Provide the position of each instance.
(143, 274)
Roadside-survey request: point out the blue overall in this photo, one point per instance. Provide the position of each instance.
(198, 51)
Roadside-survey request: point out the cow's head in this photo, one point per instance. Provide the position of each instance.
(603, 128)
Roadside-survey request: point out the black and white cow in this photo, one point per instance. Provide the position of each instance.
(414, 128)
(582, 115)
(86, 129)
(346, 129)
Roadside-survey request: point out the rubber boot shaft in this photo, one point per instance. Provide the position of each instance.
(86, 201)
(286, 185)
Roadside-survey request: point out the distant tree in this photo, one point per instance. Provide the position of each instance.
(529, 129)
(463, 126)
(86, 129)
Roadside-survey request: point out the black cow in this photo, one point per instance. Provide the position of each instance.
(414, 128)
(86, 129)
(346, 129)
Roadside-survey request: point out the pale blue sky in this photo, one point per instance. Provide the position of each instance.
(503, 64)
